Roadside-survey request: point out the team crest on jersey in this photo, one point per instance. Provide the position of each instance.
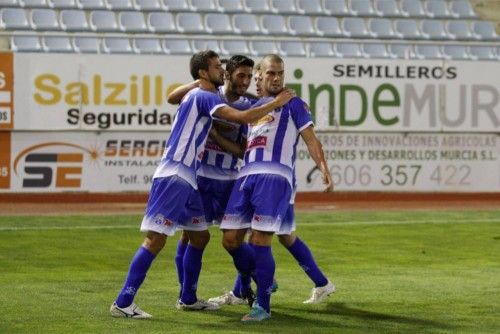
(264, 120)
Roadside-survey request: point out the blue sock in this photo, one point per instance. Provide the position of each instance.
(244, 261)
(264, 271)
(192, 268)
(179, 259)
(304, 257)
(137, 272)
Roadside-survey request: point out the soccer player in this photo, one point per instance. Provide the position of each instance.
(263, 191)
(174, 195)
(299, 250)
(218, 170)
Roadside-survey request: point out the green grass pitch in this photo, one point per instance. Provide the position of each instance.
(396, 272)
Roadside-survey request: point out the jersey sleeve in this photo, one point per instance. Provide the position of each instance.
(208, 103)
(300, 113)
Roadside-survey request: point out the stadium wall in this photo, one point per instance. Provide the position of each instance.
(97, 123)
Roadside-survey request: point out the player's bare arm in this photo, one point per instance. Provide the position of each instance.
(254, 114)
(237, 149)
(316, 151)
(175, 97)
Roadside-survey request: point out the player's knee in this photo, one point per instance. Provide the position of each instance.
(184, 237)
(154, 242)
(286, 240)
(199, 239)
(230, 243)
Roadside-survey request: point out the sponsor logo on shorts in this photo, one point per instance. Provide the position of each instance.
(196, 220)
(257, 218)
(160, 219)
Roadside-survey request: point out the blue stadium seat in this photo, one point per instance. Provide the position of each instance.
(437, 9)
(462, 9)
(387, 8)
(406, 29)
(218, 24)
(458, 29)
(203, 6)
(482, 52)
(257, 6)
(433, 29)
(34, 3)
(354, 27)
(87, 44)
(148, 5)
(92, 4)
(400, 51)
(25, 44)
(284, 7)
(116, 45)
(206, 44)
(175, 5)
(230, 6)
(457, 52)
(44, 19)
(246, 24)
(428, 51)
(133, 22)
(63, 4)
(177, 47)
(14, 19)
(9, 3)
(147, 46)
(375, 50)
(274, 25)
(484, 30)
(321, 49)
(190, 23)
(412, 8)
(362, 8)
(381, 28)
(161, 22)
(348, 50)
(104, 21)
(301, 26)
(121, 5)
(74, 20)
(336, 7)
(292, 49)
(328, 26)
(232, 47)
(262, 48)
(57, 44)
(310, 7)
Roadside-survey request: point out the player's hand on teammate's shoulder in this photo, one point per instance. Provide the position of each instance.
(283, 97)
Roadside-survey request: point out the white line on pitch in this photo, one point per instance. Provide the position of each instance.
(331, 224)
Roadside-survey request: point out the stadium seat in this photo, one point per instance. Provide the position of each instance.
(387, 8)
(458, 29)
(321, 49)
(87, 44)
(34, 3)
(348, 50)
(230, 6)
(433, 29)
(176, 5)
(148, 5)
(462, 9)
(177, 47)
(354, 27)
(328, 26)
(246, 24)
(103, 21)
(301, 26)
(44, 19)
(9, 3)
(381, 28)
(218, 24)
(284, 7)
(412, 8)
(206, 44)
(121, 4)
(203, 6)
(257, 6)
(401, 51)
(116, 45)
(428, 51)
(336, 7)
(74, 20)
(63, 4)
(57, 44)
(147, 46)
(362, 8)
(458, 52)
(14, 19)
(481, 52)
(25, 44)
(92, 4)
(274, 25)
(161, 22)
(190, 23)
(437, 9)
(132, 21)
(484, 30)
(406, 29)
(310, 7)
(262, 48)
(375, 50)
(232, 47)
(292, 49)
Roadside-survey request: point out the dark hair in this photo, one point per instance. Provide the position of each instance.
(237, 61)
(199, 61)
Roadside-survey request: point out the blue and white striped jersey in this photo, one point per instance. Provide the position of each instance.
(272, 141)
(184, 148)
(216, 162)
